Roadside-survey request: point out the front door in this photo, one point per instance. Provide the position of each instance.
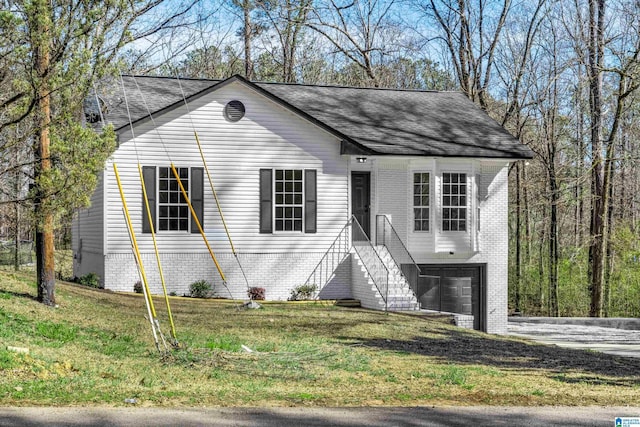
(361, 199)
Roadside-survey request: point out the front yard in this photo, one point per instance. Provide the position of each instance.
(96, 349)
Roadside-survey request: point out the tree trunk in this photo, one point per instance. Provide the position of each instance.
(247, 33)
(16, 207)
(518, 260)
(597, 229)
(553, 244)
(45, 265)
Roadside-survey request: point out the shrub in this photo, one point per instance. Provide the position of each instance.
(303, 292)
(256, 293)
(90, 279)
(200, 289)
(137, 287)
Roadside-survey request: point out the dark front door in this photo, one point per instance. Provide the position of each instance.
(360, 199)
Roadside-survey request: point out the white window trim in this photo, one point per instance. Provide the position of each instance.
(274, 204)
(468, 206)
(431, 204)
(158, 203)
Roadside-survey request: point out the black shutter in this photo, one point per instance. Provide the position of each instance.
(197, 197)
(310, 201)
(266, 211)
(149, 176)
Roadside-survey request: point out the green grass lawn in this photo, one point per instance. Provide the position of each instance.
(96, 348)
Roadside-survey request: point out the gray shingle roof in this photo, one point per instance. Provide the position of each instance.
(375, 121)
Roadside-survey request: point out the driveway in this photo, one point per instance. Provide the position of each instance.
(620, 337)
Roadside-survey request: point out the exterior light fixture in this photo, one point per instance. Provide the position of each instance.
(361, 159)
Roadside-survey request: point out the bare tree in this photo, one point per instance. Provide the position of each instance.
(470, 31)
(362, 31)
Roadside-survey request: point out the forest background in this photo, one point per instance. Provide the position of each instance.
(561, 76)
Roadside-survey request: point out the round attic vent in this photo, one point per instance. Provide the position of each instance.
(234, 110)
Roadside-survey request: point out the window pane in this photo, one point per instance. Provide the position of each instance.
(297, 225)
(173, 210)
(279, 225)
(462, 225)
(425, 200)
(445, 225)
(416, 201)
(288, 196)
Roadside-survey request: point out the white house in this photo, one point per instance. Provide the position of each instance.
(394, 197)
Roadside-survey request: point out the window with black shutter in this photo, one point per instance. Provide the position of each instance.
(288, 200)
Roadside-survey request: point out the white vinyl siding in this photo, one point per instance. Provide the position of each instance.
(268, 136)
(89, 222)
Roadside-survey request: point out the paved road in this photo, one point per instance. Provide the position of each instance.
(604, 335)
(291, 417)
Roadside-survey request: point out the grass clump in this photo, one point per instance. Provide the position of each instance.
(200, 289)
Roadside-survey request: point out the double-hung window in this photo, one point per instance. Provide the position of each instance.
(421, 201)
(454, 202)
(168, 206)
(287, 200)
(173, 210)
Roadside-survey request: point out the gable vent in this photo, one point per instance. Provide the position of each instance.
(234, 110)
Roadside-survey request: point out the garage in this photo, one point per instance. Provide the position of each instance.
(454, 288)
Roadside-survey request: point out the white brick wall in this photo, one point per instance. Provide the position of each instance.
(278, 273)
(362, 288)
(340, 284)
(493, 237)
